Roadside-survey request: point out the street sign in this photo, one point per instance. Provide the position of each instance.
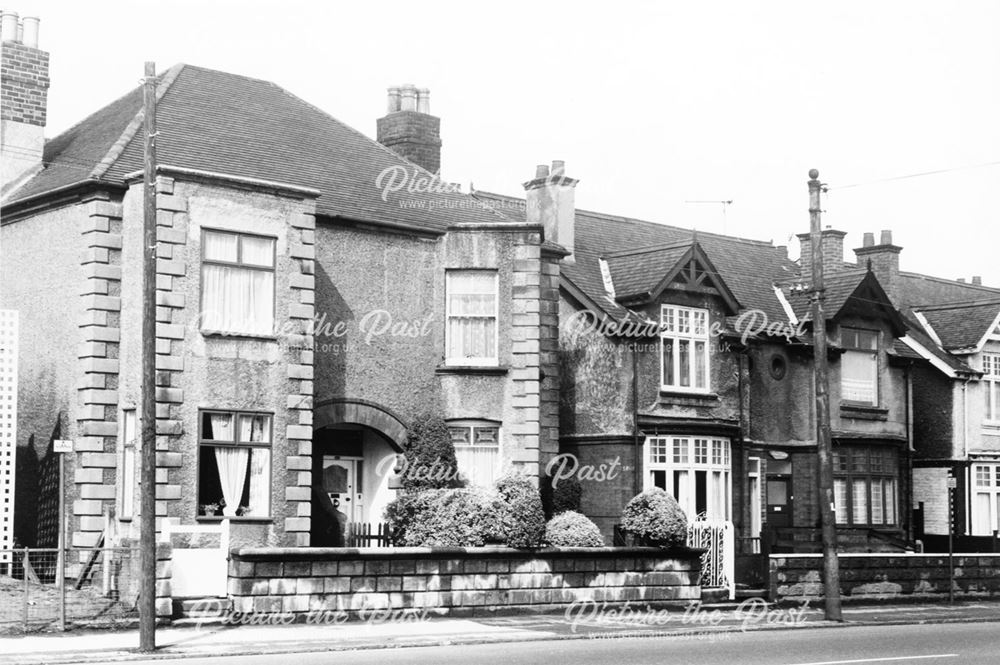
(952, 482)
(62, 446)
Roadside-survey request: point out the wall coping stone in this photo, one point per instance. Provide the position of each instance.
(378, 553)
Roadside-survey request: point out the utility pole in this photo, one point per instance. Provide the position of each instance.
(827, 511)
(147, 476)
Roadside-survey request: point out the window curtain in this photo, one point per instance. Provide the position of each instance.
(472, 337)
(477, 463)
(858, 376)
(222, 427)
(260, 466)
(472, 315)
(238, 300)
(221, 247)
(254, 429)
(232, 463)
(258, 251)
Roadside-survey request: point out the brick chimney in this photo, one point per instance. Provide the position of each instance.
(884, 259)
(409, 129)
(550, 201)
(24, 84)
(833, 252)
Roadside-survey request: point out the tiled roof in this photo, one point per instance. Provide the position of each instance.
(916, 290)
(225, 123)
(838, 288)
(916, 332)
(750, 268)
(637, 272)
(962, 326)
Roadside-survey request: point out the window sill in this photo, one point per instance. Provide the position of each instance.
(216, 519)
(863, 411)
(688, 394)
(493, 370)
(238, 336)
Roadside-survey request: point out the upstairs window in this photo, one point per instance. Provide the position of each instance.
(471, 334)
(477, 450)
(859, 366)
(991, 386)
(237, 283)
(684, 354)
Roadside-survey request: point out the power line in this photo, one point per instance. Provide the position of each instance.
(917, 175)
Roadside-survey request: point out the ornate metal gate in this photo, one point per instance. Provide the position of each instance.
(718, 561)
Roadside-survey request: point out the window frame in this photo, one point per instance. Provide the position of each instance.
(876, 359)
(662, 454)
(991, 490)
(849, 476)
(471, 361)
(273, 269)
(236, 443)
(991, 388)
(693, 338)
(472, 424)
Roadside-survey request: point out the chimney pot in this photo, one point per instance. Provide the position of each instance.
(408, 98)
(558, 167)
(869, 240)
(393, 104)
(550, 204)
(977, 280)
(423, 100)
(961, 280)
(886, 238)
(8, 27)
(29, 35)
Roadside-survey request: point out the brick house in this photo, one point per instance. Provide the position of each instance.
(686, 363)
(306, 311)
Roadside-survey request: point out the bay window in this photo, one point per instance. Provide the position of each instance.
(234, 472)
(991, 386)
(985, 499)
(477, 450)
(865, 486)
(859, 366)
(695, 470)
(471, 310)
(684, 353)
(237, 283)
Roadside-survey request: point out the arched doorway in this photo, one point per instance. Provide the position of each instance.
(355, 443)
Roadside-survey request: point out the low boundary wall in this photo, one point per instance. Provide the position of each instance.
(798, 577)
(466, 581)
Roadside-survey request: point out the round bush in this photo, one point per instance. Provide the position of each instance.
(560, 496)
(406, 509)
(524, 519)
(430, 455)
(464, 517)
(655, 518)
(572, 529)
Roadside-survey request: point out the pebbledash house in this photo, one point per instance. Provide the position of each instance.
(307, 307)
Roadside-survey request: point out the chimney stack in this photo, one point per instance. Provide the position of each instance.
(550, 201)
(884, 259)
(409, 129)
(832, 243)
(25, 75)
(977, 280)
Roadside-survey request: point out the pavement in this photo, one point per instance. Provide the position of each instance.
(380, 631)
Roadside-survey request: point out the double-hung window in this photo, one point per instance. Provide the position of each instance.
(991, 386)
(695, 470)
(985, 499)
(684, 352)
(477, 450)
(865, 486)
(237, 283)
(234, 473)
(471, 332)
(859, 366)
(130, 438)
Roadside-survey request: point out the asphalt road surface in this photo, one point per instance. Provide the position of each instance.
(928, 644)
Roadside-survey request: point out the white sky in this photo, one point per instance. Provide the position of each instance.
(650, 104)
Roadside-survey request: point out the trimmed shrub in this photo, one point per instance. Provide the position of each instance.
(524, 519)
(464, 517)
(560, 496)
(406, 509)
(572, 529)
(430, 455)
(655, 518)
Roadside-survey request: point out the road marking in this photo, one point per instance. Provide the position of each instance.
(880, 660)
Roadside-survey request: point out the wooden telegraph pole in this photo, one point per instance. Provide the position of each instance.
(828, 517)
(147, 477)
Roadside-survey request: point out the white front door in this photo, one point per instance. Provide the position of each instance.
(341, 482)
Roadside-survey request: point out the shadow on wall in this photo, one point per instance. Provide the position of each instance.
(331, 345)
(36, 492)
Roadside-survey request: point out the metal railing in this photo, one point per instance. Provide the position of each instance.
(42, 589)
(364, 534)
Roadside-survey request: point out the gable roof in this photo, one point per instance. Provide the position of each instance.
(849, 293)
(225, 123)
(749, 268)
(963, 325)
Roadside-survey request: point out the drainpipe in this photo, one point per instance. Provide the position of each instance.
(908, 422)
(635, 418)
(965, 451)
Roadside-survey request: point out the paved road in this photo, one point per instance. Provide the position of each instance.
(940, 644)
